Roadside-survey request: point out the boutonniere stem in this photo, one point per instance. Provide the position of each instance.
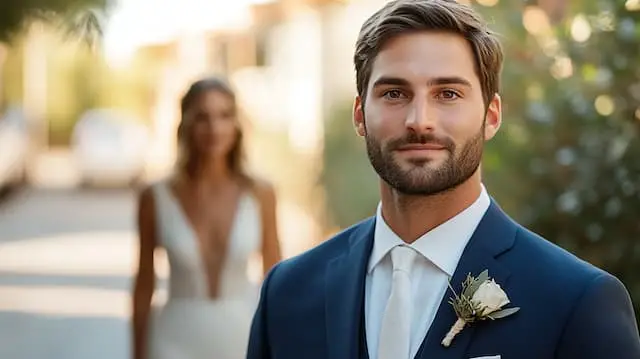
(481, 299)
(455, 330)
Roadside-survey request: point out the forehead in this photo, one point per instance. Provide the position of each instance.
(420, 56)
(212, 100)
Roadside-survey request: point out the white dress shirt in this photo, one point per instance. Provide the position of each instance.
(440, 250)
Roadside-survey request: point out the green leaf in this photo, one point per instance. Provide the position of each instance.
(503, 313)
(14, 15)
(467, 282)
(483, 277)
(473, 287)
(84, 25)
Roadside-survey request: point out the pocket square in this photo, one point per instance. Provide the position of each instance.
(487, 357)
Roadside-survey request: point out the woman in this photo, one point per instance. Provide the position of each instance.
(209, 218)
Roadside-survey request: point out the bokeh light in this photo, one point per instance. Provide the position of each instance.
(604, 105)
(580, 28)
(535, 20)
(488, 3)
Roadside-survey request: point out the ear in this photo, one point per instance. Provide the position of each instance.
(358, 117)
(493, 117)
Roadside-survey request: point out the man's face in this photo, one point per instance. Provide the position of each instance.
(424, 118)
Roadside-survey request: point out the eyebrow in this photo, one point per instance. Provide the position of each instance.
(437, 81)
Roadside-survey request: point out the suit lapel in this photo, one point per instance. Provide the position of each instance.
(345, 282)
(494, 235)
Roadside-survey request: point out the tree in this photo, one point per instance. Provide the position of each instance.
(566, 164)
(351, 185)
(76, 16)
(78, 20)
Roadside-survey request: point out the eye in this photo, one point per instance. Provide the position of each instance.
(201, 117)
(228, 116)
(448, 95)
(393, 95)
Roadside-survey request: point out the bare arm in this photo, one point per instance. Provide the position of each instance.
(145, 279)
(270, 242)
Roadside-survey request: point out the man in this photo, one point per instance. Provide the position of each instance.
(427, 76)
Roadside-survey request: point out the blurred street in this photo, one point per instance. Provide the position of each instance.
(65, 264)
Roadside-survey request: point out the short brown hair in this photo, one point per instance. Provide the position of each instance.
(406, 16)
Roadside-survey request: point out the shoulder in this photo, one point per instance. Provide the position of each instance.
(550, 257)
(561, 290)
(309, 267)
(601, 323)
(146, 207)
(587, 311)
(559, 278)
(145, 195)
(592, 307)
(263, 190)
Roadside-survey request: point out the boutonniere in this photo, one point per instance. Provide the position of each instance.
(481, 299)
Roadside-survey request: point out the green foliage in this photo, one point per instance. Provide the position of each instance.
(351, 183)
(78, 79)
(76, 15)
(77, 19)
(563, 168)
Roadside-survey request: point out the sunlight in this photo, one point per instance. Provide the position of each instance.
(135, 23)
(580, 28)
(488, 3)
(632, 5)
(78, 254)
(535, 20)
(87, 254)
(562, 67)
(604, 105)
(65, 301)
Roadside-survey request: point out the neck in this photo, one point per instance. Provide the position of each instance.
(411, 216)
(213, 172)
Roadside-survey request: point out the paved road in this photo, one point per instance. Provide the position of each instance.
(66, 259)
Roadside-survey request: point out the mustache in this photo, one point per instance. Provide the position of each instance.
(413, 138)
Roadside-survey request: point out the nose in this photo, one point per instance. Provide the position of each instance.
(213, 124)
(420, 118)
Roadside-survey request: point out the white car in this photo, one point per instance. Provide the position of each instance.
(110, 148)
(14, 148)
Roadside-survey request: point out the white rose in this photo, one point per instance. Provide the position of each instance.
(490, 297)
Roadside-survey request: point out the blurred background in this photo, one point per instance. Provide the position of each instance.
(89, 94)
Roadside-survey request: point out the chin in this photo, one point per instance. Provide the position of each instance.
(422, 163)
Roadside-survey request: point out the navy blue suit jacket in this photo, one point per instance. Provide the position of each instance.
(311, 305)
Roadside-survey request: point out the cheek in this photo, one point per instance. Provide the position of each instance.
(385, 121)
(226, 133)
(461, 122)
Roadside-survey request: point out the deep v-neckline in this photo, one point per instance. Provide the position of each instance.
(198, 242)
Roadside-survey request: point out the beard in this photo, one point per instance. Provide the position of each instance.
(420, 179)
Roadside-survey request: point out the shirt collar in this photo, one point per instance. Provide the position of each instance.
(443, 245)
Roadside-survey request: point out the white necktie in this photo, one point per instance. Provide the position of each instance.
(395, 332)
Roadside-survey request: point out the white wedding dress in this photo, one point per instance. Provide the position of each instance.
(191, 325)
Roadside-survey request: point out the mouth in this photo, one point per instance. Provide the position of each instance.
(421, 151)
(421, 148)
